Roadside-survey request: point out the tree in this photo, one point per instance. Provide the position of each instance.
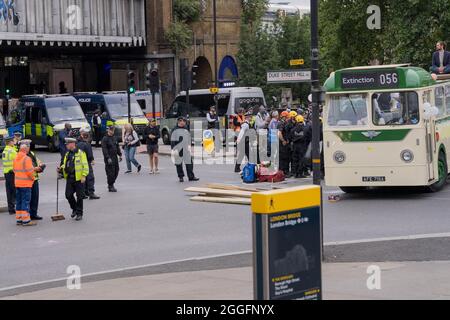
(293, 42)
(257, 48)
(179, 34)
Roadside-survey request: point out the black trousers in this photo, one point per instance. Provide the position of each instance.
(285, 158)
(10, 192)
(112, 172)
(89, 186)
(189, 170)
(75, 187)
(298, 158)
(97, 136)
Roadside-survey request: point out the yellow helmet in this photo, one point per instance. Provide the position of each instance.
(299, 119)
(293, 114)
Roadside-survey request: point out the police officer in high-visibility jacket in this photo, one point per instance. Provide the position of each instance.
(24, 178)
(75, 169)
(39, 168)
(8, 156)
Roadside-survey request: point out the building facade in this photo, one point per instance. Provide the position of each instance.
(52, 46)
(200, 56)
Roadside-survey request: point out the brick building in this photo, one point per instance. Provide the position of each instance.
(201, 53)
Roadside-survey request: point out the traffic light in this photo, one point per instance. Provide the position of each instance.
(131, 82)
(186, 75)
(8, 92)
(152, 80)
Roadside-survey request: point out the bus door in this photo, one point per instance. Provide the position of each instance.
(430, 139)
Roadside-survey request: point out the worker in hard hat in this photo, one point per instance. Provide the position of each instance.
(299, 147)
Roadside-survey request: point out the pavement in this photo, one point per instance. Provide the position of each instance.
(341, 281)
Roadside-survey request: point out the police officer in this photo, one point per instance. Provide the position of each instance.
(182, 153)
(85, 145)
(8, 156)
(112, 155)
(75, 169)
(97, 127)
(34, 203)
(284, 138)
(17, 139)
(299, 147)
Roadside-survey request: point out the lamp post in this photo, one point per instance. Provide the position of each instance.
(215, 43)
(316, 92)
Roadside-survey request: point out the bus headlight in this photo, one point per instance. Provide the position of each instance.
(407, 156)
(339, 157)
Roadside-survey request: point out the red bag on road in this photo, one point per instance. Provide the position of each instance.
(265, 175)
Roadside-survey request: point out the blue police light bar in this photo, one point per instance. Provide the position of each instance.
(229, 84)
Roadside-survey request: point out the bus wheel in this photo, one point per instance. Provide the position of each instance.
(353, 189)
(443, 174)
(53, 144)
(166, 137)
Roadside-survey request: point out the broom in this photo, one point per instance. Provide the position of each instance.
(58, 216)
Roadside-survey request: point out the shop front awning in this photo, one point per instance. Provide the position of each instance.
(67, 40)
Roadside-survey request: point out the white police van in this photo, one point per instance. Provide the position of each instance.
(200, 101)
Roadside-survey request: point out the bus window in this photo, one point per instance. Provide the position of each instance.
(395, 108)
(347, 110)
(447, 98)
(439, 100)
(199, 105)
(36, 115)
(246, 103)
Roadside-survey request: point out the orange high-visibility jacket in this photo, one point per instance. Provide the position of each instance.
(23, 171)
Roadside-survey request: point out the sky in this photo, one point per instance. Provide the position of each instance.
(297, 2)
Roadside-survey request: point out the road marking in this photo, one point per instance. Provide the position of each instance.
(409, 237)
(125, 269)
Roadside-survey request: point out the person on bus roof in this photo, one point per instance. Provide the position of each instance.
(441, 59)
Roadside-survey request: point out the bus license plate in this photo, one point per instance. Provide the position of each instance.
(374, 179)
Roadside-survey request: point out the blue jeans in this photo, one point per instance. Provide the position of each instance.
(34, 203)
(130, 153)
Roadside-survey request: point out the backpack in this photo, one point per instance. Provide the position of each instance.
(249, 173)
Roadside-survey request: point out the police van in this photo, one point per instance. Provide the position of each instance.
(200, 101)
(41, 117)
(145, 101)
(3, 132)
(114, 109)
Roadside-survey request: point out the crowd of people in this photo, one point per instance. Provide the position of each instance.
(292, 128)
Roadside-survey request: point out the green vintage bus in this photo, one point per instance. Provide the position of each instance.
(386, 126)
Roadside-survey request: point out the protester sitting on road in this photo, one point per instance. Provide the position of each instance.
(152, 135)
(441, 59)
(131, 142)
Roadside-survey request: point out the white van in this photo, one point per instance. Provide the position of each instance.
(200, 101)
(144, 99)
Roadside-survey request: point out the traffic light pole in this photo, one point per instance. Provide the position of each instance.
(216, 82)
(129, 106)
(316, 97)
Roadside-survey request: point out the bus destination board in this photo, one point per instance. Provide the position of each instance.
(382, 79)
